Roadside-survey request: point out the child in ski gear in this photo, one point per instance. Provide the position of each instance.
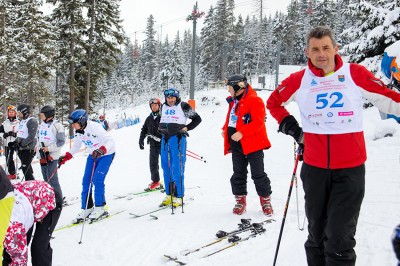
(396, 243)
(104, 122)
(6, 206)
(245, 136)
(173, 128)
(26, 140)
(9, 128)
(51, 138)
(102, 148)
(150, 130)
(37, 205)
(329, 96)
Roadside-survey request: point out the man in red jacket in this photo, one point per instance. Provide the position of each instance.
(329, 96)
(245, 136)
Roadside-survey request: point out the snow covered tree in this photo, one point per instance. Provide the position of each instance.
(377, 26)
(149, 50)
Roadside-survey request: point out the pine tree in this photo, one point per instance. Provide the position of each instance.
(377, 27)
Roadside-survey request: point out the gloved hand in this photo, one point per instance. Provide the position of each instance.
(300, 151)
(183, 133)
(63, 159)
(13, 145)
(99, 152)
(141, 144)
(12, 134)
(5, 135)
(289, 126)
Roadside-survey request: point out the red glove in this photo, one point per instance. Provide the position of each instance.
(63, 159)
(99, 152)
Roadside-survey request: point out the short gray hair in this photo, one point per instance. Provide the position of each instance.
(319, 32)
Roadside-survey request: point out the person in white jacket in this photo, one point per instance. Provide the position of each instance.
(9, 129)
(51, 138)
(102, 148)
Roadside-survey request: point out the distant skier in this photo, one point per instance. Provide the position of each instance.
(245, 136)
(51, 138)
(329, 96)
(150, 130)
(102, 148)
(10, 128)
(26, 140)
(173, 128)
(104, 122)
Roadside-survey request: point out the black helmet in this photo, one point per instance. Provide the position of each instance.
(24, 109)
(78, 116)
(237, 81)
(48, 111)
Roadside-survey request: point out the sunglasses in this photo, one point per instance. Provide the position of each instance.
(171, 93)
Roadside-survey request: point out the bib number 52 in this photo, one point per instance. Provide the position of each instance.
(334, 100)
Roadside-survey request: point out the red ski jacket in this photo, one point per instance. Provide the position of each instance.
(335, 151)
(250, 112)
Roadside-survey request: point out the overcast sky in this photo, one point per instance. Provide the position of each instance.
(170, 15)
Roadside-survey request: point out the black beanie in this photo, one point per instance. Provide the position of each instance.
(5, 184)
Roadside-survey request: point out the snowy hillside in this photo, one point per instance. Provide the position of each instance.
(122, 240)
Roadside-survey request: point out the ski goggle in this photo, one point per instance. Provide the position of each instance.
(11, 107)
(154, 100)
(171, 93)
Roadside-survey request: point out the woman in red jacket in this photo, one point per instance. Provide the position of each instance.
(245, 136)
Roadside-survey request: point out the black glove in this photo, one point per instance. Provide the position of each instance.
(99, 152)
(289, 126)
(141, 144)
(183, 133)
(5, 135)
(13, 145)
(12, 134)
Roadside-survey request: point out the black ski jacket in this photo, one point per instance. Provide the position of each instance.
(150, 127)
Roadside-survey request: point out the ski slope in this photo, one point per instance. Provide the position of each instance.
(122, 240)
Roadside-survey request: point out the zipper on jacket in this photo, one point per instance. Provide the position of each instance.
(329, 151)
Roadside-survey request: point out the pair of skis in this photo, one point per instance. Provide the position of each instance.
(160, 208)
(73, 224)
(232, 237)
(145, 192)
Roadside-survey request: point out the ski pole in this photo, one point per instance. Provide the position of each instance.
(287, 205)
(201, 157)
(300, 227)
(197, 158)
(87, 199)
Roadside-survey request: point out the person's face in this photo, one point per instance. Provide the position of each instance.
(12, 113)
(42, 117)
(76, 126)
(154, 107)
(171, 100)
(322, 53)
(231, 90)
(20, 115)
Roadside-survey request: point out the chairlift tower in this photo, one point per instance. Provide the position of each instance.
(196, 14)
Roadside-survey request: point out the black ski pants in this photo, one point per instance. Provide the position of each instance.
(239, 177)
(154, 165)
(26, 157)
(9, 153)
(332, 201)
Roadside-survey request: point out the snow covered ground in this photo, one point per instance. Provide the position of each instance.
(122, 240)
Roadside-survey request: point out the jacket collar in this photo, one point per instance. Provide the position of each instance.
(319, 72)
